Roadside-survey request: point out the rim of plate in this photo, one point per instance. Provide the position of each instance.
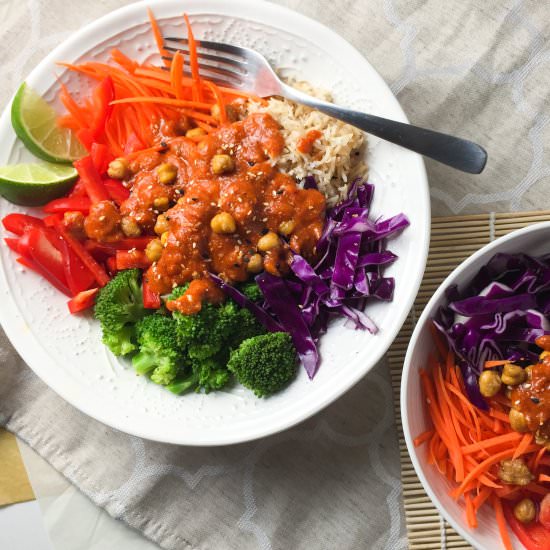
(253, 11)
(407, 365)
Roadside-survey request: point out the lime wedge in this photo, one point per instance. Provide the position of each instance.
(34, 122)
(35, 184)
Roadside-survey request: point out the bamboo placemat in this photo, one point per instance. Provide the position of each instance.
(453, 239)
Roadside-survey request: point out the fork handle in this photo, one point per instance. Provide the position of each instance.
(458, 153)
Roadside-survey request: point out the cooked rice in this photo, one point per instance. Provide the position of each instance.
(338, 157)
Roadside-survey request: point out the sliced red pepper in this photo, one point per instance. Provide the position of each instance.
(52, 220)
(111, 265)
(101, 157)
(102, 96)
(68, 204)
(140, 243)
(19, 223)
(130, 259)
(92, 180)
(12, 243)
(98, 272)
(78, 276)
(86, 137)
(151, 300)
(83, 300)
(116, 190)
(79, 190)
(43, 246)
(30, 264)
(532, 535)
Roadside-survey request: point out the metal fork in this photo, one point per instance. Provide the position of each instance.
(248, 70)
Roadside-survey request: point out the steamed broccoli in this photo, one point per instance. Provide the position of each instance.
(160, 352)
(264, 363)
(118, 306)
(251, 290)
(208, 375)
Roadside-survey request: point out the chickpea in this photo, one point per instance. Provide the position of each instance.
(287, 227)
(512, 375)
(230, 112)
(161, 226)
(118, 169)
(525, 510)
(195, 132)
(221, 164)
(489, 383)
(223, 223)
(183, 125)
(130, 227)
(164, 238)
(161, 203)
(167, 173)
(153, 251)
(518, 422)
(255, 264)
(74, 222)
(268, 242)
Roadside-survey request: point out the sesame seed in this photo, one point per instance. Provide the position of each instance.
(102, 218)
(264, 219)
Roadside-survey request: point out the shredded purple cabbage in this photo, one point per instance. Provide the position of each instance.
(497, 316)
(347, 275)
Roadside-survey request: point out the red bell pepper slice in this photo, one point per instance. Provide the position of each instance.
(68, 204)
(79, 190)
(532, 535)
(101, 157)
(52, 220)
(30, 264)
(140, 243)
(98, 272)
(151, 300)
(92, 180)
(116, 190)
(83, 300)
(130, 259)
(86, 137)
(19, 223)
(13, 244)
(43, 246)
(79, 277)
(111, 265)
(102, 96)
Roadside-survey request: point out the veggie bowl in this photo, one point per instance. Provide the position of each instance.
(475, 394)
(133, 260)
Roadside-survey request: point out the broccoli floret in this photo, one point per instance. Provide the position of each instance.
(160, 352)
(207, 375)
(118, 306)
(264, 363)
(251, 290)
(247, 327)
(178, 292)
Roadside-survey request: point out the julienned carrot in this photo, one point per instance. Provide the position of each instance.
(176, 74)
(482, 438)
(219, 100)
(165, 101)
(193, 61)
(158, 36)
(493, 364)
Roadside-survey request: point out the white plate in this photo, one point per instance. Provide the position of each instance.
(65, 351)
(531, 240)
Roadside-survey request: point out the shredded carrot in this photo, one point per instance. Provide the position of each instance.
(193, 61)
(219, 100)
(176, 74)
(158, 36)
(165, 101)
(467, 444)
(493, 364)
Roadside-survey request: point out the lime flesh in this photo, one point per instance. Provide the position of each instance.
(34, 122)
(37, 183)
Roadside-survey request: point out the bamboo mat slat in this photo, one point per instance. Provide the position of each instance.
(453, 239)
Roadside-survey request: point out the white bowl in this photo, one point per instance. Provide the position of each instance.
(66, 351)
(531, 240)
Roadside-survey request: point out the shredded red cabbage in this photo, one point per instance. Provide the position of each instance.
(498, 315)
(347, 275)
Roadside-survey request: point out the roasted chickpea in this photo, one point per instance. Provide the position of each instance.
(161, 203)
(518, 422)
(167, 173)
(130, 227)
(164, 238)
(118, 169)
(223, 223)
(525, 510)
(269, 241)
(255, 264)
(153, 251)
(512, 375)
(489, 383)
(195, 132)
(515, 472)
(222, 164)
(161, 226)
(74, 222)
(287, 227)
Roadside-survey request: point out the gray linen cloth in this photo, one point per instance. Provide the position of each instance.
(475, 68)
